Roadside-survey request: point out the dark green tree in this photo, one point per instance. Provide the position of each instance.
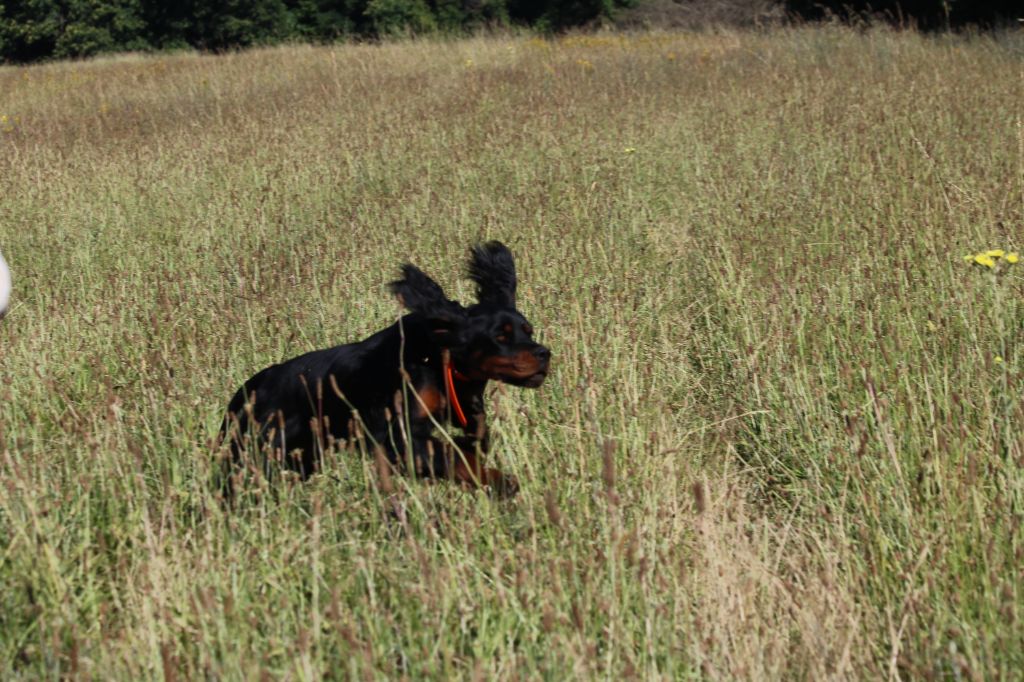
(390, 17)
(39, 29)
(226, 24)
(35, 29)
(29, 29)
(327, 20)
(459, 15)
(95, 27)
(559, 15)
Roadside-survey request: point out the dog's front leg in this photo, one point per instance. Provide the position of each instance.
(465, 464)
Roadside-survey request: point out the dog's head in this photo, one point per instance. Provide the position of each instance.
(490, 339)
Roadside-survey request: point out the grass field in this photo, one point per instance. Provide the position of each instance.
(782, 437)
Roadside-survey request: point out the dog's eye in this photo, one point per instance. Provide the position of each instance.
(501, 338)
(528, 330)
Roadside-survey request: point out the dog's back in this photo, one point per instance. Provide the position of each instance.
(272, 411)
(306, 402)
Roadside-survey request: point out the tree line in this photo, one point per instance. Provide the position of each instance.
(32, 30)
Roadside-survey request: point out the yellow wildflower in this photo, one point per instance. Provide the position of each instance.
(984, 259)
(998, 359)
(629, 150)
(995, 253)
(1012, 257)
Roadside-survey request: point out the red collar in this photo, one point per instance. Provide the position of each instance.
(450, 374)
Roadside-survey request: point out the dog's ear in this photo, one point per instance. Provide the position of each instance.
(420, 294)
(493, 269)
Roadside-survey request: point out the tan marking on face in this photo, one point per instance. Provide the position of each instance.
(431, 398)
(522, 365)
(527, 364)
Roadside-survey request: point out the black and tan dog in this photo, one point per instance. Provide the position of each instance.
(429, 368)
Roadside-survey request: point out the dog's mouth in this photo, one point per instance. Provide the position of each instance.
(528, 381)
(523, 369)
(535, 380)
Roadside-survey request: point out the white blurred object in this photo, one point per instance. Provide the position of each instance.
(5, 286)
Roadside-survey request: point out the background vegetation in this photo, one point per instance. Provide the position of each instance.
(782, 436)
(36, 29)
(31, 30)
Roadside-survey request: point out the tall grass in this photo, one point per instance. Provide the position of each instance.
(782, 436)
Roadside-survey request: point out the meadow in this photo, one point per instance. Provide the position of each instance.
(782, 435)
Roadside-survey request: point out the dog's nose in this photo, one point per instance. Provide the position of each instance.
(543, 353)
